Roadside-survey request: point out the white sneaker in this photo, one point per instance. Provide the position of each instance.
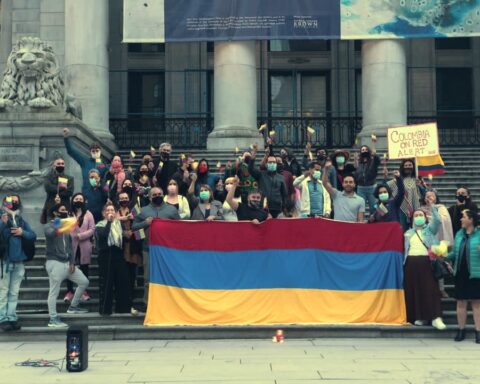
(438, 324)
(419, 322)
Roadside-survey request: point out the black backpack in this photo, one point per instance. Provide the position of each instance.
(28, 247)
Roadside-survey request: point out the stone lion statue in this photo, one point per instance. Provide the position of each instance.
(33, 78)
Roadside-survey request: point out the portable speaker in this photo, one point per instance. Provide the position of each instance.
(77, 348)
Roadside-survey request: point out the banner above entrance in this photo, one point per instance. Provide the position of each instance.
(147, 21)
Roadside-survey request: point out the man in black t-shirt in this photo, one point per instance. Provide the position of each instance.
(251, 211)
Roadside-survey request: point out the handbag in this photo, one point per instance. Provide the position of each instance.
(440, 268)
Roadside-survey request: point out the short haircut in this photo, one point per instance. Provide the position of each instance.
(94, 171)
(254, 191)
(352, 176)
(473, 215)
(165, 145)
(313, 164)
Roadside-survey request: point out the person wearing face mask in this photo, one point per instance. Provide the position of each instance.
(13, 228)
(314, 199)
(156, 209)
(82, 238)
(204, 207)
(182, 175)
(347, 205)
(219, 193)
(445, 230)
(114, 178)
(240, 169)
(112, 268)
(465, 256)
(250, 211)
(147, 160)
(60, 266)
(339, 160)
(463, 200)
(143, 186)
(366, 175)
(422, 295)
(272, 185)
(178, 201)
(387, 207)
(132, 244)
(86, 163)
(59, 188)
(290, 163)
(95, 195)
(165, 167)
(204, 176)
(413, 192)
(321, 157)
(229, 213)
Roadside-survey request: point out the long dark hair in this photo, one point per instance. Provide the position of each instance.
(84, 208)
(402, 167)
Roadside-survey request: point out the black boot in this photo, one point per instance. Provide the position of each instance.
(477, 337)
(460, 335)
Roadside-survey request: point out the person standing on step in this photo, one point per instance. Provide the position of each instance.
(60, 266)
(339, 160)
(387, 207)
(13, 231)
(59, 188)
(156, 209)
(86, 163)
(132, 243)
(249, 211)
(112, 267)
(95, 195)
(347, 205)
(366, 175)
(414, 190)
(465, 256)
(165, 167)
(463, 200)
(82, 240)
(422, 294)
(314, 199)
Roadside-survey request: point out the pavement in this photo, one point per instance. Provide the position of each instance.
(331, 361)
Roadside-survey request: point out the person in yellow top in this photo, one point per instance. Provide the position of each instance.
(178, 201)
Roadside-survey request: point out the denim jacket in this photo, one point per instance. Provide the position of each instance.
(428, 232)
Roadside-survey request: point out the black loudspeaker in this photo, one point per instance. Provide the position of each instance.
(77, 348)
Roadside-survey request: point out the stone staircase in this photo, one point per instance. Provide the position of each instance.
(462, 168)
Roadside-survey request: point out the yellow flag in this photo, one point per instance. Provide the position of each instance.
(132, 154)
(374, 138)
(237, 149)
(262, 127)
(271, 133)
(219, 164)
(152, 149)
(310, 130)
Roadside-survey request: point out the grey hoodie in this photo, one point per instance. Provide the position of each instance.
(59, 247)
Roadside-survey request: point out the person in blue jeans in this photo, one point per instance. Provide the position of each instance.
(366, 174)
(12, 229)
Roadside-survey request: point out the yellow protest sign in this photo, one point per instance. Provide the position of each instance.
(413, 141)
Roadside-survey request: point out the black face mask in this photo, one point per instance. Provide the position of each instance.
(78, 204)
(59, 169)
(280, 167)
(407, 172)
(246, 160)
(365, 155)
(321, 157)
(124, 203)
(461, 198)
(62, 215)
(15, 206)
(254, 204)
(165, 155)
(157, 200)
(127, 189)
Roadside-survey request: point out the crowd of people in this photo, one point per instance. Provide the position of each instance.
(117, 204)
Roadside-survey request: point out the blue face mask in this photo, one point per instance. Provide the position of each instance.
(383, 197)
(271, 167)
(316, 175)
(419, 221)
(93, 182)
(204, 195)
(340, 159)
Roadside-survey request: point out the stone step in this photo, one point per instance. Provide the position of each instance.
(140, 332)
(40, 305)
(40, 294)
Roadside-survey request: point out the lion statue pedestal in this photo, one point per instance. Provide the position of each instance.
(34, 110)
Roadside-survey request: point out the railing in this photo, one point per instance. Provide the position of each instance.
(293, 132)
(143, 132)
(454, 129)
(192, 132)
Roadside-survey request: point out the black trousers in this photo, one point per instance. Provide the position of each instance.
(132, 275)
(113, 281)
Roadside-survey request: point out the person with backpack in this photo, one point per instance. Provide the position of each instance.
(17, 241)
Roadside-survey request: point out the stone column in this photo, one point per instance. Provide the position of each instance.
(384, 88)
(86, 61)
(5, 34)
(235, 96)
